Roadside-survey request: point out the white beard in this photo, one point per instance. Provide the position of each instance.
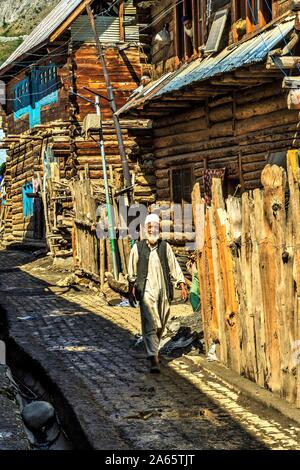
(152, 239)
(189, 32)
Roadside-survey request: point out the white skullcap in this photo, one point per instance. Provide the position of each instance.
(152, 218)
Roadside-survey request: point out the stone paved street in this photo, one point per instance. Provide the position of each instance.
(85, 348)
(12, 431)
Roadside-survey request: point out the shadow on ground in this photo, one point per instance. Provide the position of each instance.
(83, 351)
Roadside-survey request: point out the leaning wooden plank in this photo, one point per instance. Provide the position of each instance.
(248, 358)
(207, 290)
(256, 228)
(284, 290)
(220, 304)
(230, 298)
(293, 176)
(269, 279)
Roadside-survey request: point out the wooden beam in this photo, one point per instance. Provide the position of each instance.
(295, 6)
(171, 104)
(122, 14)
(176, 20)
(239, 82)
(280, 62)
(291, 83)
(294, 99)
(70, 19)
(262, 74)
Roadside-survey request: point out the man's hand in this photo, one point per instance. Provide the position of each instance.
(132, 297)
(184, 292)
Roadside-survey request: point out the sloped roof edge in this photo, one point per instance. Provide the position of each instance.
(46, 28)
(246, 53)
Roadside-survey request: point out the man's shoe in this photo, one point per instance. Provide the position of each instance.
(154, 365)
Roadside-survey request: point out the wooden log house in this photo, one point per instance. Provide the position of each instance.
(225, 100)
(216, 99)
(44, 114)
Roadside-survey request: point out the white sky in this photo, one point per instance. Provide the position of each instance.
(2, 152)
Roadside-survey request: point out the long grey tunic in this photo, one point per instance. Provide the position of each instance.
(155, 307)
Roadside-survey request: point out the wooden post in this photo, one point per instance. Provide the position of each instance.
(111, 98)
(294, 180)
(272, 183)
(121, 16)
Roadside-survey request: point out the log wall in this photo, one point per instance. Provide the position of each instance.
(124, 67)
(25, 158)
(237, 131)
(61, 126)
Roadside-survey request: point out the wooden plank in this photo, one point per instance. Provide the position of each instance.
(294, 215)
(248, 359)
(283, 62)
(121, 15)
(229, 288)
(256, 227)
(291, 83)
(271, 180)
(219, 293)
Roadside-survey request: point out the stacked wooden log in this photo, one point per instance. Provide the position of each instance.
(24, 161)
(59, 216)
(249, 280)
(124, 69)
(137, 137)
(237, 131)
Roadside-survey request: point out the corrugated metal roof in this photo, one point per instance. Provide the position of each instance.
(130, 9)
(44, 30)
(233, 57)
(108, 28)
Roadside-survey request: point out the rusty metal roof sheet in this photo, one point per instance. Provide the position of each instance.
(246, 53)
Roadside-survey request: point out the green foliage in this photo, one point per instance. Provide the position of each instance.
(27, 21)
(2, 169)
(7, 48)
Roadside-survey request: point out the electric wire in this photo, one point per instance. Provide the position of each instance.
(282, 35)
(261, 36)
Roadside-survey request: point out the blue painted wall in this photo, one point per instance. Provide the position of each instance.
(28, 208)
(37, 90)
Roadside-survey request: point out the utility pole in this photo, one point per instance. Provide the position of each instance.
(107, 195)
(111, 98)
(97, 105)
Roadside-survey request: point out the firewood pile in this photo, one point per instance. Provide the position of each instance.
(59, 215)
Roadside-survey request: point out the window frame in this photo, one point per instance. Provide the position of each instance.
(264, 16)
(184, 50)
(190, 166)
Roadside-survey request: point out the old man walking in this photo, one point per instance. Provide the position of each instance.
(153, 269)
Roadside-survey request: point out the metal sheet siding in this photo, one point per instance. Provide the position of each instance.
(233, 57)
(247, 53)
(108, 28)
(129, 8)
(132, 33)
